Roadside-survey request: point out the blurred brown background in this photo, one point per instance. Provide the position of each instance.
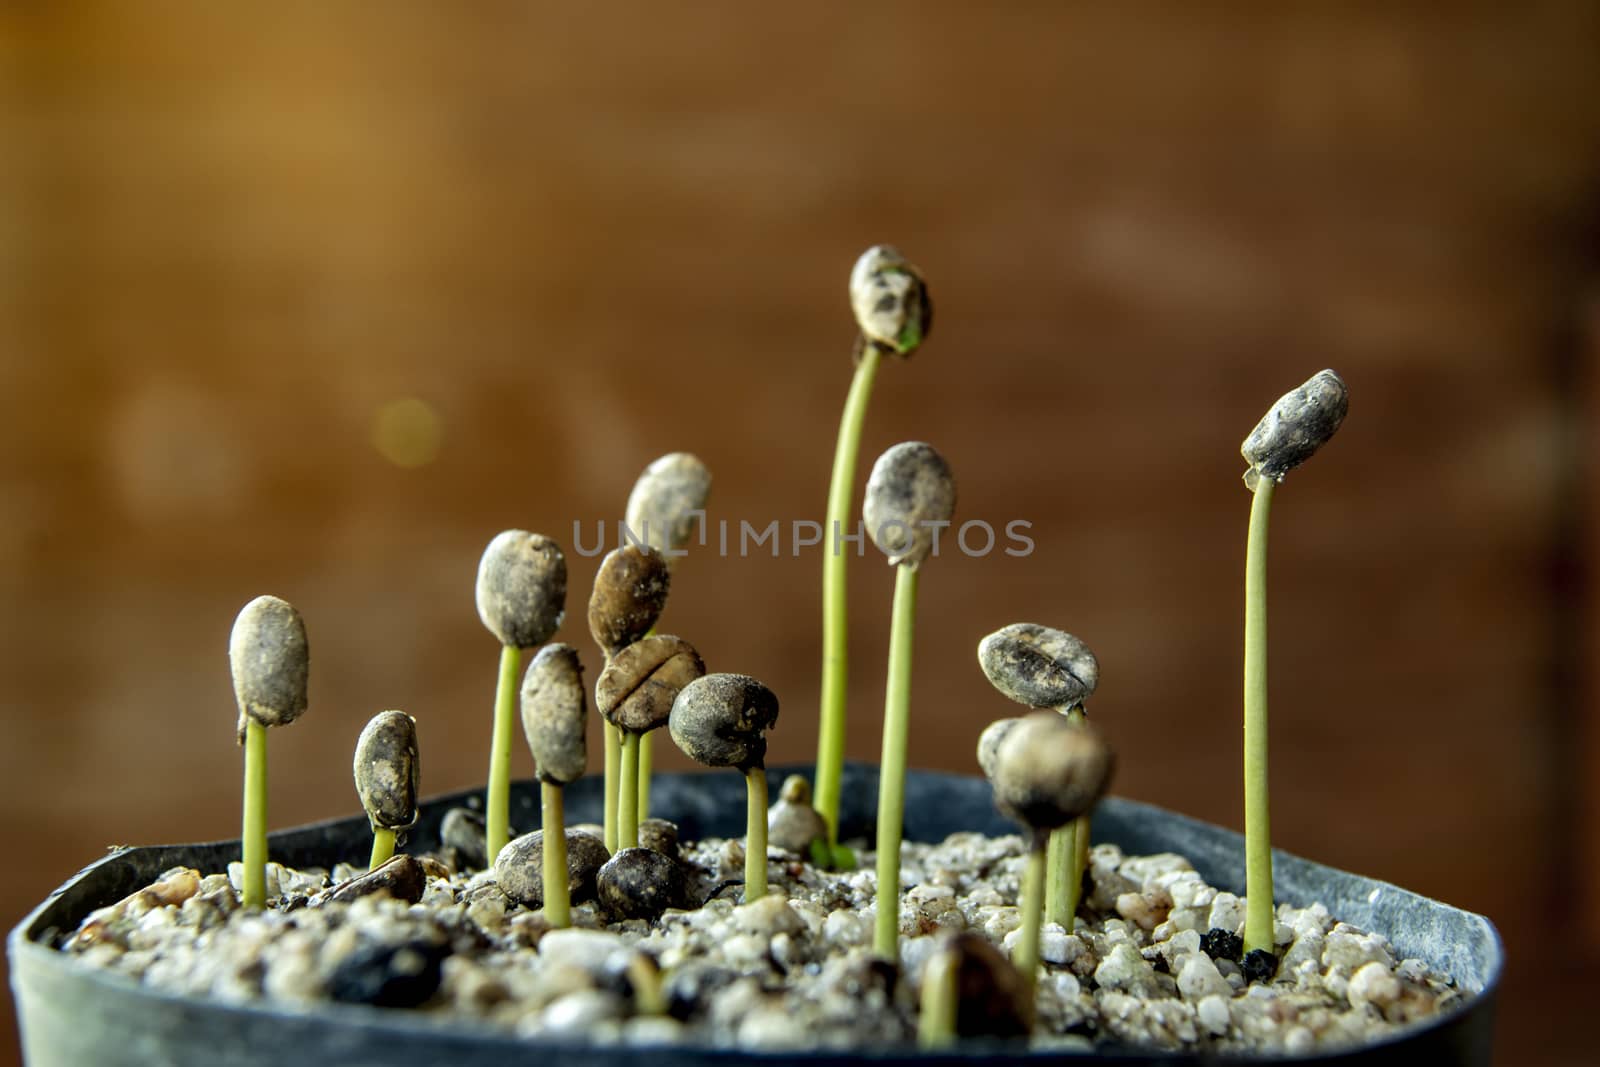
(314, 302)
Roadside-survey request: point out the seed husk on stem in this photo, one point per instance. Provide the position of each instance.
(269, 659)
(634, 695)
(554, 714)
(910, 494)
(522, 597)
(721, 720)
(1290, 433)
(893, 315)
(386, 775)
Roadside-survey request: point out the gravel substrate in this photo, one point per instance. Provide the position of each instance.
(1153, 961)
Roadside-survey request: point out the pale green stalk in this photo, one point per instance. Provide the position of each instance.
(613, 740)
(646, 766)
(253, 841)
(1060, 902)
(497, 805)
(382, 848)
(936, 1026)
(1257, 834)
(553, 821)
(1032, 904)
(628, 792)
(892, 768)
(755, 842)
(835, 623)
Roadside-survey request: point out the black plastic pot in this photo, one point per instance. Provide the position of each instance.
(74, 1015)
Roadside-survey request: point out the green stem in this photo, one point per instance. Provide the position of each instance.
(755, 842)
(646, 765)
(835, 622)
(892, 768)
(382, 847)
(557, 905)
(613, 740)
(628, 793)
(1032, 903)
(1060, 903)
(936, 1027)
(1257, 833)
(1073, 856)
(253, 841)
(497, 805)
(1080, 863)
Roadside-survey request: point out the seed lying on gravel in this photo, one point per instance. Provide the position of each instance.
(462, 830)
(659, 835)
(386, 770)
(911, 495)
(641, 883)
(630, 591)
(270, 661)
(636, 690)
(890, 301)
(519, 869)
(389, 976)
(1039, 666)
(554, 711)
(1302, 421)
(403, 878)
(792, 823)
(522, 588)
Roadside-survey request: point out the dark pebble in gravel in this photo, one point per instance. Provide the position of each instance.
(689, 988)
(1259, 966)
(388, 976)
(1222, 944)
(463, 830)
(639, 883)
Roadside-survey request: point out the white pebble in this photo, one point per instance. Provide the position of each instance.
(1298, 1041)
(1227, 913)
(1213, 1013)
(1200, 978)
(577, 1012)
(1373, 984)
(843, 928)
(585, 949)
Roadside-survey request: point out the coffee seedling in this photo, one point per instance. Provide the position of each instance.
(630, 591)
(386, 774)
(721, 720)
(1048, 668)
(269, 659)
(634, 695)
(1046, 772)
(662, 508)
(970, 989)
(910, 495)
(893, 315)
(522, 596)
(1289, 434)
(554, 715)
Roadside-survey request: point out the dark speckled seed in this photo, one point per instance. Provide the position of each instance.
(911, 495)
(640, 883)
(463, 830)
(659, 835)
(519, 869)
(522, 588)
(554, 714)
(1259, 966)
(667, 499)
(1296, 426)
(1049, 770)
(721, 720)
(890, 301)
(1222, 944)
(269, 658)
(386, 770)
(638, 686)
(402, 877)
(389, 976)
(1039, 666)
(630, 591)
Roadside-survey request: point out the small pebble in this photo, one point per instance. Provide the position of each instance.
(389, 976)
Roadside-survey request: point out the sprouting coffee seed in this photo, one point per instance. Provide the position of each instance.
(1049, 770)
(554, 714)
(630, 591)
(386, 770)
(1296, 426)
(721, 720)
(269, 658)
(1039, 666)
(522, 588)
(890, 301)
(910, 497)
(989, 742)
(638, 686)
(667, 499)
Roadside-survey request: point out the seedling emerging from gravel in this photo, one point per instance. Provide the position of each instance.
(666, 500)
(634, 695)
(1300, 422)
(522, 596)
(891, 308)
(1046, 771)
(721, 720)
(554, 716)
(910, 495)
(630, 591)
(268, 656)
(969, 989)
(1048, 668)
(386, 779)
